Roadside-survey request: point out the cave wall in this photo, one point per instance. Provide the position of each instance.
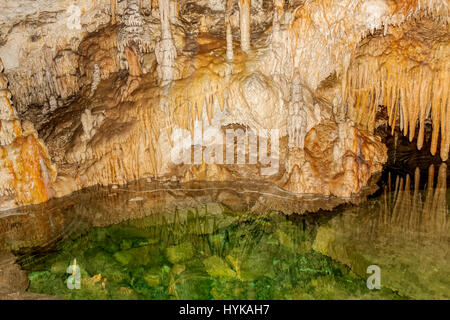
(106, 96)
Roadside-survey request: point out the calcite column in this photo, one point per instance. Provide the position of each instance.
(113, 11)
(165, 50)
(229, 32)
(244, 21)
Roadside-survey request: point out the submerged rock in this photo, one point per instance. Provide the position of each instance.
(178, 269)
(124, 293)
(192, 286)
(12, 278)
(133, 257)
(254, 265)
(179, 253)
(152, 278)
(218, 268)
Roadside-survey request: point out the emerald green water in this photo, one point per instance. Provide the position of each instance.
(242, 240)
(204, 253)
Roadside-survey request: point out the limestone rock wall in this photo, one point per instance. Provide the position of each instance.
(114, 90)
(40, 46)
(26, 172)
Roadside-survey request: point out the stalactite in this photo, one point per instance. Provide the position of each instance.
(280, 50)
(174, 11)
(165, 50)
(90, 123)
(229, 33)
(244, 24)
(191, 97)
(164, 12)
(277, 11)
(306, 46)
(332, 31)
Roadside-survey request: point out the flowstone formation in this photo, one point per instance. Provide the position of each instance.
(285, 92)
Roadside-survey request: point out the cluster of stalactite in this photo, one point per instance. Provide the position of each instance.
(408, 71)
(59, 79)
(321, 35)
(39, 48)
(119, 140)
(133, 38)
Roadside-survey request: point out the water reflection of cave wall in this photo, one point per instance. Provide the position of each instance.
(416, 214)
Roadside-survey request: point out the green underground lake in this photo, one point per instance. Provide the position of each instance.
(241, 240)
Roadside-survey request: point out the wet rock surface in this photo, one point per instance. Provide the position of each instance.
(14, 281)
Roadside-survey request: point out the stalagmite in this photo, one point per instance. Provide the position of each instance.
(165, 50)
(229, 33)
(244, 23)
